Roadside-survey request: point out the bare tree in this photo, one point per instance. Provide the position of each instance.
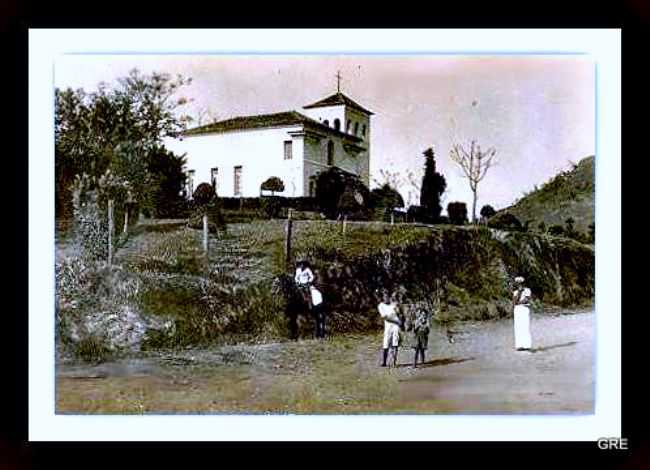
(475, 163)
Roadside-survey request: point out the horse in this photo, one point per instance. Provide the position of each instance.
(297, 303)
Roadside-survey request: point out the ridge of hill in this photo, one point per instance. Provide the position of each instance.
(568, 194)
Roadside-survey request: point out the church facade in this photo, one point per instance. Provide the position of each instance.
(237, 155)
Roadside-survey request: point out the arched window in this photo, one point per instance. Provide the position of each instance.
(347, 128)
(356, 128)
(337, 124)
(363, 130)
(326, 122)
(330, 153)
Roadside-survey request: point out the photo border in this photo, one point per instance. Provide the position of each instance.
(603, 45)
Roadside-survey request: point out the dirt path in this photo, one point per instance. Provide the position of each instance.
(479, 373)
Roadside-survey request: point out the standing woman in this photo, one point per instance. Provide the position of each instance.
(521, 300)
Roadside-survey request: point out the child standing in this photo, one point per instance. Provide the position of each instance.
(420, 326)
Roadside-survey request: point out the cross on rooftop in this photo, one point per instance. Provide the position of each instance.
(338, 81)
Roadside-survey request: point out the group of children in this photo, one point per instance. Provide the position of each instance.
(417, 326)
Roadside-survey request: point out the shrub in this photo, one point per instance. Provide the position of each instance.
(272, 206)
(505, 221)
(203, 194)
(457, 212)
(273, 184)
(331, 185)
(487, 211)
(556, 230)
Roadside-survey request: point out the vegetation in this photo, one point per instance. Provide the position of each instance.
(457, 213)
(273, 184)
(505, 221)
(487, 211)
(570, 194)
(121, 129)
(475, 163)
(337, 192)
(433, 186)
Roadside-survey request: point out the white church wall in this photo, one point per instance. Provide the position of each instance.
(259, 152)
(329, 113)
(316, 159)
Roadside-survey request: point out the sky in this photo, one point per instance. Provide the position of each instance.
(538, 112)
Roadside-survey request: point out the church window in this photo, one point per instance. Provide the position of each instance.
(337, 124)
(214, 173)
(330, 153)
(238, 171)
(312, 187)
(288, 155)
(347, 128)
(363, 130)
(356, 128)
(326, 122)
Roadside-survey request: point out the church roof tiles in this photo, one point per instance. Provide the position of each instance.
(262, 121)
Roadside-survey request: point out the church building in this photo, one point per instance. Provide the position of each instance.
(237, 155)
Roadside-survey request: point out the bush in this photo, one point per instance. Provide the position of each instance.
(272, 206)
(273, 184)
(331, 186)
(457, 213)
(505, 221)
(203, 194)
(556, 230)
(487, 211)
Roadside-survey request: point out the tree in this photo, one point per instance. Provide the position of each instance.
(475, 163)
(542, 227)
(330, 186)
(203, 194)
(556, 230)
(385, 199)
(487, 211)
(353, 201)
(433, 185)
(169, 180)
(273, 184)
(117, 128)
(457, 213)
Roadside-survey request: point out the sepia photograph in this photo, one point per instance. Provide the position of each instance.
(325, 233)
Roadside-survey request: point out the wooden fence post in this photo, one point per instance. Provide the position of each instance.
(110, 232)
(287, 246)
(345, 221)
(392, 218)
(205, 234)
(126, 219)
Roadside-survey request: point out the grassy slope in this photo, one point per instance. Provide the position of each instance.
(230, 298)
(569, 194)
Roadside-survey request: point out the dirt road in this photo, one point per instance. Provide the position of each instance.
(480, 372)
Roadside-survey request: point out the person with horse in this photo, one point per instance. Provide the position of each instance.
(304, 278)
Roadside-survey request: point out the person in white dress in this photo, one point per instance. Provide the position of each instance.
(392, 323)
(521, 300)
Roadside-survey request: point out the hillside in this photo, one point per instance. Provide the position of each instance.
(162, 293)
(568, 194)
